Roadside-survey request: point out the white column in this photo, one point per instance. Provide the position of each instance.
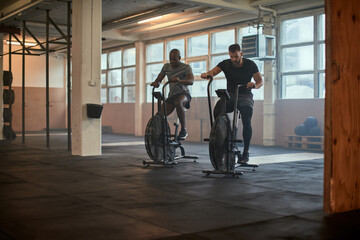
(1, 86)
(269, 98)
(86, 61)
(139, 87)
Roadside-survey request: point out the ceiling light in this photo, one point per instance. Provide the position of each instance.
(150, 19)
(17, 43)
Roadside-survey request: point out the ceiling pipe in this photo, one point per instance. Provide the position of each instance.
(267, 10)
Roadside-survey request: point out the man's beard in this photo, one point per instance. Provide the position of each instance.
(236, 63)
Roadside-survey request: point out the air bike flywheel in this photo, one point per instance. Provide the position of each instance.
(154, 139)
(219, 145)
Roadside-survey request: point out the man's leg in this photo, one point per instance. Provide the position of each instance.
(169, 108)
(179, 105)
(246, 115)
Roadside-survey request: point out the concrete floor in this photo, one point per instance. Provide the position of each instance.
(48, 194)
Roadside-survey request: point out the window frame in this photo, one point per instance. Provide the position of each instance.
(186, 59)
(108, 69)
(316, 43)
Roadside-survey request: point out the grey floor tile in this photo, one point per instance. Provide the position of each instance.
(198, 215)
(297, 184)
(278, 202)
(23, 190)
(102, 226)
(282, 228)
(214, 189)
(43, 207)
(5, 178)
(135, 197)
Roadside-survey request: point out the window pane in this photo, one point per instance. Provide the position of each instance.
(115, 59)
(103, 78)
(297, 30)
(178, 44)
(297, 59)
(199, 89)
(322, 56)
(115, 95)
(148, 93)
(114, 77)
(260, 65)
(217, 84)
(103, 61)
(154, 52)
(197, 46)
(198, 68)
(258, 93)
(152, 71)
(298, 86)
(129, 57)
(129, 75)
(321, 85)
(129, 94)
(321, 30)
(103, 95)
(215, 61)
(221, 41)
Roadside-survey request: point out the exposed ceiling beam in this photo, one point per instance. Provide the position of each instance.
(255, 3)
(237, 5)
(180, 21)
(116, 34)
(17, 7)
(133, 20)
(198, 26)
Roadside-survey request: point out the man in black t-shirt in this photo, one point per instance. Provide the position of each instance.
(239, 70)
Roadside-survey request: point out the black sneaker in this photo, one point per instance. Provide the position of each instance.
(183, 134)
(244, 159)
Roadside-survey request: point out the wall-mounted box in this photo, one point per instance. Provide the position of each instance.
(259, 46)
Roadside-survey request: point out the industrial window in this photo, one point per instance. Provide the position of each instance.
(178, 44)
(197, 46)
(118, 76)
(202, 52)
(154, 63)
(302, 61)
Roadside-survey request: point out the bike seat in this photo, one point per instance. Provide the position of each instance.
(223, 93)
(158, 95)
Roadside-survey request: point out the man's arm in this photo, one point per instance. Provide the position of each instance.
(158, 80)
(258, 81)
(189, 79)
(213, 72)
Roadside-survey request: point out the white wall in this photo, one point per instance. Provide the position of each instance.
(35, 94)
(35, 69)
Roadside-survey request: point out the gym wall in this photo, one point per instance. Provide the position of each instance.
(35, 92)
(292, 112)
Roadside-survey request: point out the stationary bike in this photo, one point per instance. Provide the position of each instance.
(159, 143)
(223, 144)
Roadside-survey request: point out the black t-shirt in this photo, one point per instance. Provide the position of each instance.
(238, 75)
